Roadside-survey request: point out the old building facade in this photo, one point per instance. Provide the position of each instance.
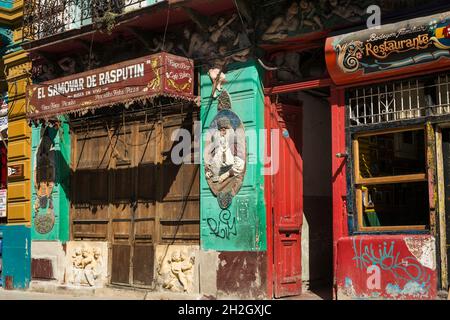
(245, 148)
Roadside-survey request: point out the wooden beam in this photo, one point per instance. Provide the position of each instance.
(298, 86)
(419, 177)
(441, 209)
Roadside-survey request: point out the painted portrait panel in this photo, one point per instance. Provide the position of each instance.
(225, 156)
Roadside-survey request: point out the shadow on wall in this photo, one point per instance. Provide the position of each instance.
(317, 206)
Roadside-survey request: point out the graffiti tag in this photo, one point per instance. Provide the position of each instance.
(224, 227)
(385, 257)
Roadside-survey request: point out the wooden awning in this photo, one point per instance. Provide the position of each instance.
(147, 77)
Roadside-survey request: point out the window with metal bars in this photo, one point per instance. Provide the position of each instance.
(399, 100)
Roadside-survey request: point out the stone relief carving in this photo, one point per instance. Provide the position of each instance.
(86, 264)
(293, 65)
(307, 16)
(176, 268)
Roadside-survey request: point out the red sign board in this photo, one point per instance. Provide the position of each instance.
(393, 49)
(156, 75)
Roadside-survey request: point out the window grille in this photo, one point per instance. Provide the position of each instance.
(399, 100)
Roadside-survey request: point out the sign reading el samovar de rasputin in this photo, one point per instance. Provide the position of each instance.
(408, 46)
(145, 77)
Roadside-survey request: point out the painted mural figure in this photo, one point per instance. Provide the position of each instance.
(225, 163)
(225, 156)
(44, 182)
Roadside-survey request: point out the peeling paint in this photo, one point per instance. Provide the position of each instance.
(412, 288)
(423, 250)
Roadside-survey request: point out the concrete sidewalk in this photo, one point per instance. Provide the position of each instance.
(48, 290)
(113, 294)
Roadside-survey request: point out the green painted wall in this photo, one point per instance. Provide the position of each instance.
(60, 194)
(244, 84)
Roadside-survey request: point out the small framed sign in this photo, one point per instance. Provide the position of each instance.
(15, 171)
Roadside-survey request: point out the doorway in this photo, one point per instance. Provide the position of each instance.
(301, 194)
(444, 225)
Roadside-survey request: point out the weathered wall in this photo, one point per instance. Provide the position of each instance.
(234, 259)
(245, 227)
(16, 257)
(386, 267)
(48, 261)
(317, 242)
(242, 275)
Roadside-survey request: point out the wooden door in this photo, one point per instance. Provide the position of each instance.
(126, 190)
(287, 199)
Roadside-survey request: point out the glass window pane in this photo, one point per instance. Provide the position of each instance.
(392, 154)
(400, 204)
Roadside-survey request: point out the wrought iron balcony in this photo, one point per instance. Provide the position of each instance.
(44, 18)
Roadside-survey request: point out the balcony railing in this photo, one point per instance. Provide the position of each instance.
(44, 18)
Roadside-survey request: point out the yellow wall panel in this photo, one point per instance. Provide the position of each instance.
(19, 150)
(20, 190)
(18, 129)
(16, 108)
(19, 212)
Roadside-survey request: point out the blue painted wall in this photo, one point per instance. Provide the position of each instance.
(16, 255)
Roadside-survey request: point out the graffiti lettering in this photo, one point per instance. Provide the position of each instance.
(224, 227)
(385, 257)
(374, 281)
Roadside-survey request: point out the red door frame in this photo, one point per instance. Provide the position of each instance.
(338, 172)
(338, 175)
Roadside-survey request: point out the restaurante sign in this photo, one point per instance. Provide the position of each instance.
(156, 75)
(417, 44)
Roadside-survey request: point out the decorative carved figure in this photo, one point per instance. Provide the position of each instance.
(221, 29)
(346, 11)
(195, 44)
(47, 72)
(86, 266)
(160, 45)
(309, 15)
(180, 275)
(67, 65)
(281, 25)
(90, 61)
(289, 66)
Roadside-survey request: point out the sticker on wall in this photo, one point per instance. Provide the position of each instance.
(44, 182)
(225, 154)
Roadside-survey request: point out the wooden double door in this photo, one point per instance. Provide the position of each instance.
(126, 190)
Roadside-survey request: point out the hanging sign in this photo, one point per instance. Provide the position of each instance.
(398, 48)
(161, 74)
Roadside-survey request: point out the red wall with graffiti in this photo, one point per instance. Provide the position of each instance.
(386, 267)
